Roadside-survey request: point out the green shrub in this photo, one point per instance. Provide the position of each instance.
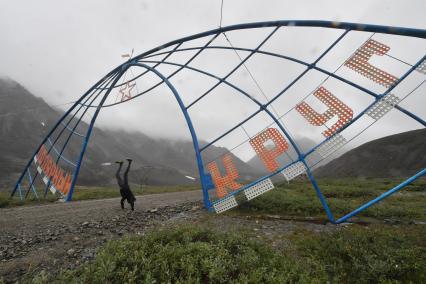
(376, 254)
(190, 255)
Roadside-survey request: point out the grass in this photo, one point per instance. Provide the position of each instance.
(375, 254)
(191, 254)
(85, 193)
(6, 201)
(344, 195)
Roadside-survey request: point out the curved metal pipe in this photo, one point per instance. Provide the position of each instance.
(207, 202)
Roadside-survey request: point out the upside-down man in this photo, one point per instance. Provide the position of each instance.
(125, 191)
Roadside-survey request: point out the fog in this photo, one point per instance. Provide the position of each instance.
(59, 49)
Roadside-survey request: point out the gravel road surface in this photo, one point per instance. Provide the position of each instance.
(64, 235)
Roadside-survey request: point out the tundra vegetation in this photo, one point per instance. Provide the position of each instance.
(385, 244)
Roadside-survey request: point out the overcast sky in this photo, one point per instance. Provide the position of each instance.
(58, 49)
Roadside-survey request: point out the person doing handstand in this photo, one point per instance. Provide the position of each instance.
(125, 191)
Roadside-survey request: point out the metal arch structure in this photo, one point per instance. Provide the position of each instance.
(52, 167)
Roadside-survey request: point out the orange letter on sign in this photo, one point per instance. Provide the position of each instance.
(335, 107)
(268, 157)
(228, 181)
(359, 63)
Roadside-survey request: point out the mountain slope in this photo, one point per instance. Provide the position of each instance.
(25, 120)
(398, 155)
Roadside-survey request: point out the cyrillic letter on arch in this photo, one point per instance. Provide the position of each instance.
(267, 156)
(222, 183)
(335, 107)
(359, 63)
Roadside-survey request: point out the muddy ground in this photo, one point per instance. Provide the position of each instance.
(64, 235)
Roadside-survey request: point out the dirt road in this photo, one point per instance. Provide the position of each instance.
(74, 212)
(63, 235)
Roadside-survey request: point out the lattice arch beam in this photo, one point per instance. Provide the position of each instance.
(95, 99)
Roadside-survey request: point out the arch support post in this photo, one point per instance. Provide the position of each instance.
(203, 177)
(89, 130)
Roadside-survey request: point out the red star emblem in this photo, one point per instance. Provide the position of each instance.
(126, 90)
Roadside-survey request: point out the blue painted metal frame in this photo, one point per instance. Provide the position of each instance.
(72, 131)
(309, 67)
(382, 196)
(376, 96)
(200, 49)
(111, 82)
(252, 52)
(59, 154)
(420, 33)
(32, 186)
(118, 73)
(263, 108)
(191, 129)
(89, 94)
(18, 183)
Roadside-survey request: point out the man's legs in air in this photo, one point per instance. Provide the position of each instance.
(117, 174)
(126, 173)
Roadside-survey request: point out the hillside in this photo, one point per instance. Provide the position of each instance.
(398, 155)
(25, 120)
